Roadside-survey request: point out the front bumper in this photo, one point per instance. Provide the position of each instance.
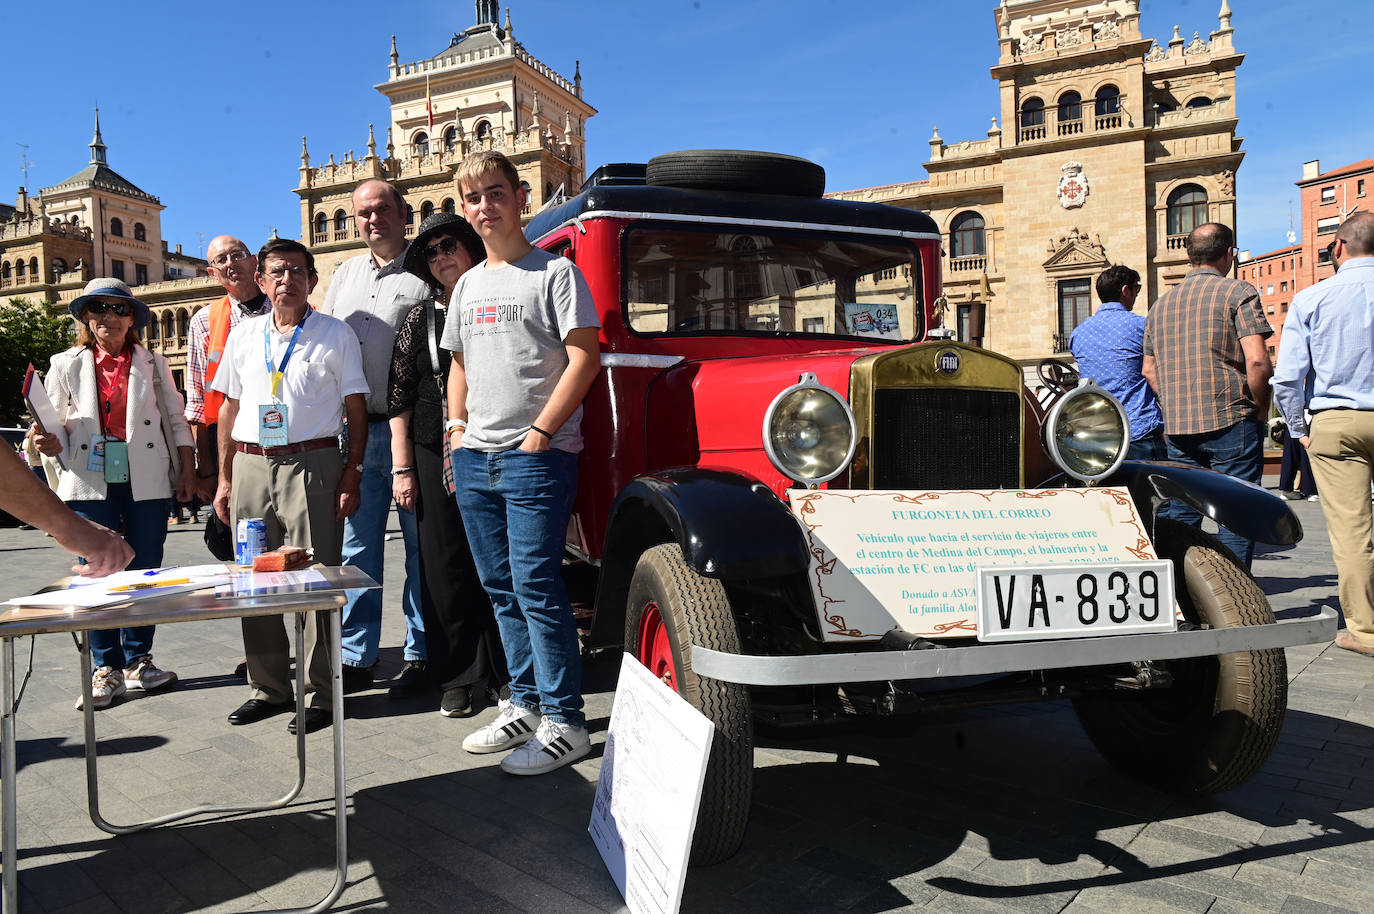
(985, 659)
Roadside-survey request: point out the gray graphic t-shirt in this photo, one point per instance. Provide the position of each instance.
(509, 324)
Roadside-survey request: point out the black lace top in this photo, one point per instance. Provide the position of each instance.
(411, 384)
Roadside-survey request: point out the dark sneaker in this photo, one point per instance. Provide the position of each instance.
(413, 680)
(457, 702)
(356, 678)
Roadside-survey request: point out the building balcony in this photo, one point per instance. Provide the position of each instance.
(1059, 343)
(1176, 242)
(974, 263)
(1053, 127)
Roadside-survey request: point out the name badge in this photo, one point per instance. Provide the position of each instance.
(116, 461)
(96, 461)
(213, 355)
(272, 425)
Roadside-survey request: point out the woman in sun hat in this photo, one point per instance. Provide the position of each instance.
(125, 449)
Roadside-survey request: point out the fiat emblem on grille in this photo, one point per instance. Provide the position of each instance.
(947, 362)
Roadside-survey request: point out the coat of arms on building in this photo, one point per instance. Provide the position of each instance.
(1073, 185)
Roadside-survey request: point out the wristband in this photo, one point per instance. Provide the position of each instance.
(401, 471)
(451, 424)
(535, 428)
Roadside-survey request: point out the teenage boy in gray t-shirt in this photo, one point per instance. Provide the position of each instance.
(524, 344)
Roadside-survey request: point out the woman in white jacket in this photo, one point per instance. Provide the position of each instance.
(117, 404)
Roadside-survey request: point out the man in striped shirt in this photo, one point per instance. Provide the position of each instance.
(1206, 359)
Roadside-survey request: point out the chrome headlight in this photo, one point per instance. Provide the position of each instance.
(809, 432)
(1086, 432)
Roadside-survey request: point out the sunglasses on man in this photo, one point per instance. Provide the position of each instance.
(120, 308)
(446, 246)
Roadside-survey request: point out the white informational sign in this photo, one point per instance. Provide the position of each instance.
(875, 320)
(649, 790)
(910, 558)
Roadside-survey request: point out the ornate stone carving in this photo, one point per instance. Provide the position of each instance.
(1068, 38)
(1073, 186)
(1155, 52)
(1074, 249)
(1032, 44)
(1227, 180)
(1103, 31)
(1196, 46)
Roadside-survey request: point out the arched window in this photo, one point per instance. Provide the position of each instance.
(1187, 209)
(447, 206)
(483, 131)
(19, 268)
(116, 227)
(426, 210)
(153, 328)
(421, 144)
(6, 272)
(1107, 101)
(167, 327)
(450, 140)
(59, 266)
(410, 214)
(1032, 113)
(321, 224)
(183, 319)
(966, 235)
(340, 223)
(33, 269)
(1201, 101)
(1070, 107)
(140, 233)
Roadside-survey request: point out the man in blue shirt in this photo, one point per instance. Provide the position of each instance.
(1326, 363)
(1109, 348)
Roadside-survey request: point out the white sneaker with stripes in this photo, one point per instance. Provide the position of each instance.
(512, 726)
(553, 746)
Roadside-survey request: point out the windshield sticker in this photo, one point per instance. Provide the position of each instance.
(879, 321)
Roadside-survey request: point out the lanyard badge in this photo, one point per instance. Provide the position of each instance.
(273, 417)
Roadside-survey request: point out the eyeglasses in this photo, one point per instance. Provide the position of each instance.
(282, 274)
(446, 246)
(1331, 250)
(120, 308)
(224, 260)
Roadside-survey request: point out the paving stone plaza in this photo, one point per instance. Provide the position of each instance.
(1008, 809)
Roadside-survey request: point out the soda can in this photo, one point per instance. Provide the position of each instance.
(250, 540)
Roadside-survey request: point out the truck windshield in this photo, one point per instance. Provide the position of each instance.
(733, 280)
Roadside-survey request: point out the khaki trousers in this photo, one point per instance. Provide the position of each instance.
(1342, 453)
(295, 498)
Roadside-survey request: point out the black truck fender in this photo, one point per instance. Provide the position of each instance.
(727, 524)
(1241, 507)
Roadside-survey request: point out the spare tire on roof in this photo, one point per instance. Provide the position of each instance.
(737, 170)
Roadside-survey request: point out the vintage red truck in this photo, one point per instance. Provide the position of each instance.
(765, 348)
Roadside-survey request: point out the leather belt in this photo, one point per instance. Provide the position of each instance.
(286, 450)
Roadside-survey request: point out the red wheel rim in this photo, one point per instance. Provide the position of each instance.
(654, 650)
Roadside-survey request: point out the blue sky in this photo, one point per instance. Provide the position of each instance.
(205, 105)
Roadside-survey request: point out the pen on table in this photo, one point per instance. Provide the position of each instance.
(145, 585)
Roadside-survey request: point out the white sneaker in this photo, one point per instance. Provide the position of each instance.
(513, 726)
(107, 684)
(145, 675)
(553, 746)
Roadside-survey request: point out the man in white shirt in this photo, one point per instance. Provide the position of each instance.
(289, 379)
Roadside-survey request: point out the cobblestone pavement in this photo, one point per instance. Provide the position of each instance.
(1001, 810)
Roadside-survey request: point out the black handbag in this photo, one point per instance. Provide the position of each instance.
(219, 538)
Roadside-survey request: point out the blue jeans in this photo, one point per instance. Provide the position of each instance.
(144, 525)
(1148, 447)
(364, 546)
(516, 507)
(1236, 450)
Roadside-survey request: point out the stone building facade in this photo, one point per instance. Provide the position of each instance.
(98, 223)
(483, 91)
(1111, 148)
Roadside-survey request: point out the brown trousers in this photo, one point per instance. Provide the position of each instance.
(295, 498)
(1342, 454)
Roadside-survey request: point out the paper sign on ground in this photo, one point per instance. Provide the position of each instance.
(910, 558)
(650, 787)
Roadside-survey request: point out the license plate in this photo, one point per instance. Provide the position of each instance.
(1029, 602)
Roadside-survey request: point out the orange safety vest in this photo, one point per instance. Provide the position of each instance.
(220, 315)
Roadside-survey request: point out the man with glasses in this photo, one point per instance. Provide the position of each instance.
(1206, 359)
(289, 378)
(1109, 348)
(373, 293)
(234, 267)
(1326, 364)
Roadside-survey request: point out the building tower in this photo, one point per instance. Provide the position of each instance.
(482, 91)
